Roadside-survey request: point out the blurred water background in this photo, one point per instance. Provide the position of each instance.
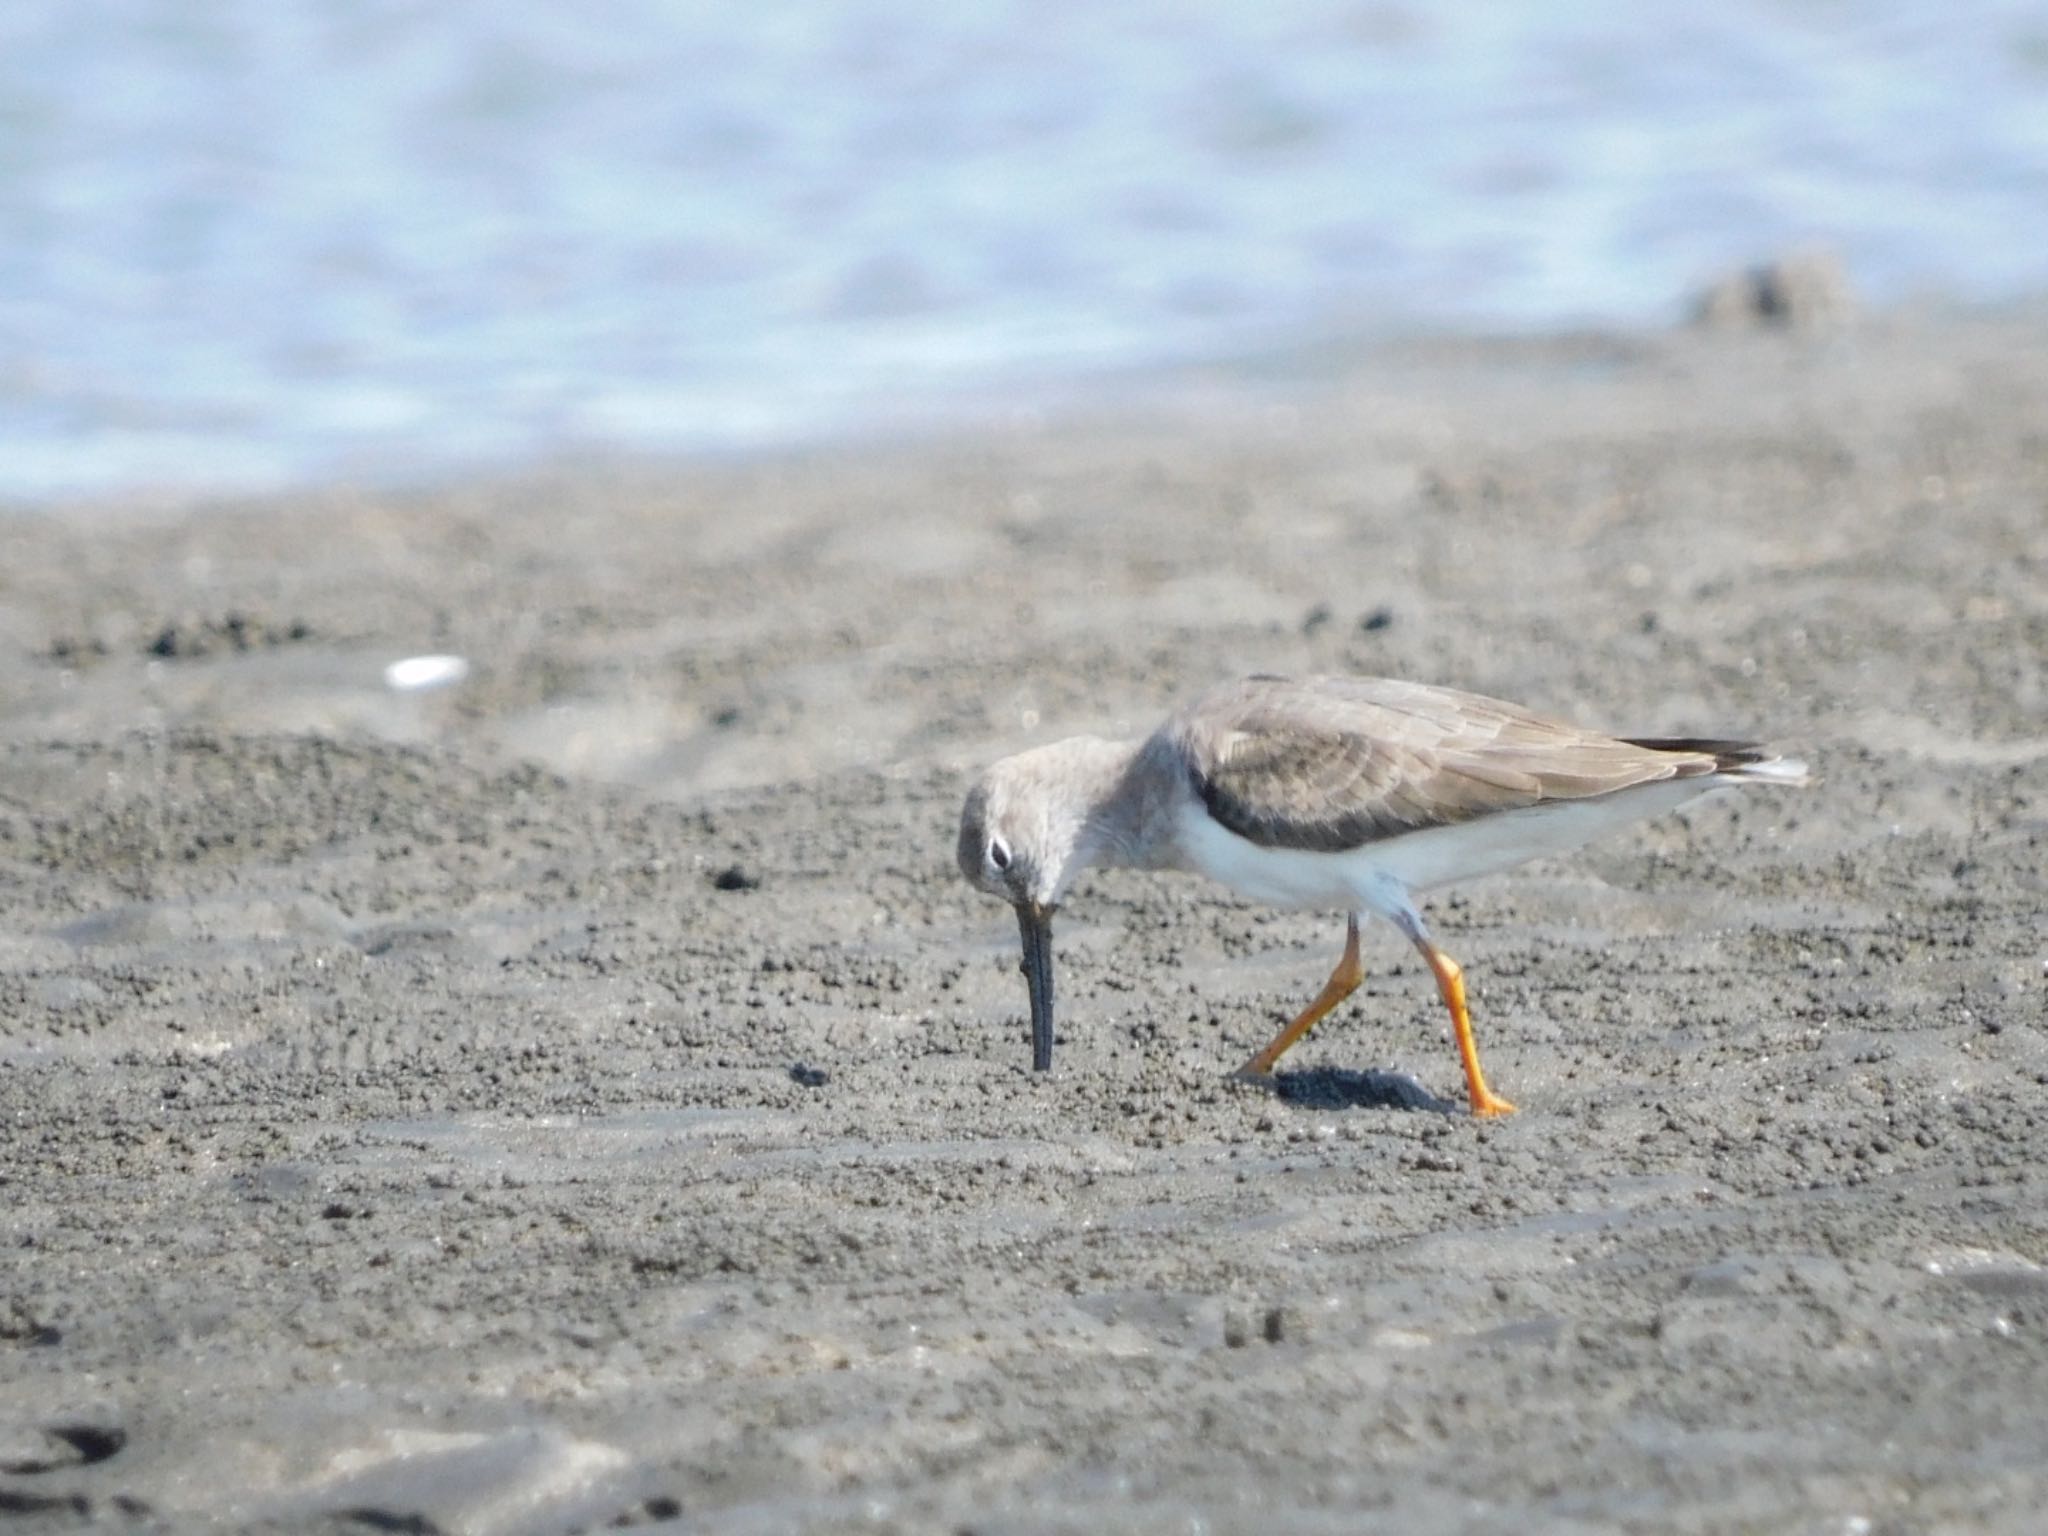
(247, 244)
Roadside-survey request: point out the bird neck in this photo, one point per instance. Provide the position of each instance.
(1131, 796)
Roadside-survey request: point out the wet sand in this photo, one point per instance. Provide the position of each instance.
(588, 1095)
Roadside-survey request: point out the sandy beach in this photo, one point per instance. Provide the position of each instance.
(587, 1095)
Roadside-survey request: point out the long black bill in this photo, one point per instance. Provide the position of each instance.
(1035, 924)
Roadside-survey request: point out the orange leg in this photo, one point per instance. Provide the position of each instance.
(1342, 983)
(1450, 981)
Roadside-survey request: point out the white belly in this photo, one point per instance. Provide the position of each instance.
(1381, 876)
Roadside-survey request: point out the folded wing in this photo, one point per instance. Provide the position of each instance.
(1331, 763)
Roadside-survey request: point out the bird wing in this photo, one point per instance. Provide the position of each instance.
(1331, 763)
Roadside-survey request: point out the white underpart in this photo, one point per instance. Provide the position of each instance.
(1780, 770)
(1384, 877)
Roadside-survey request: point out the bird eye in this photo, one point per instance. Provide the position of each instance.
(998, 853)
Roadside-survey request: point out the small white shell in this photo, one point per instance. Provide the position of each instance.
(416, 674)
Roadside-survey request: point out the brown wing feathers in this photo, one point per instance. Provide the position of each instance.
(1339, 762)
(1726, 754)
(1282, 789)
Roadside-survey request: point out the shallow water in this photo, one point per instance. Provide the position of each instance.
(260, 241)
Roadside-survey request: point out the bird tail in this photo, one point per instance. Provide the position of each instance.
(1734, 759)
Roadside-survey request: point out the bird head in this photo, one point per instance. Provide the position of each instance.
(1028, 827)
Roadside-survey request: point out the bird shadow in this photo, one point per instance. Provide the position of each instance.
(1339, 1088)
